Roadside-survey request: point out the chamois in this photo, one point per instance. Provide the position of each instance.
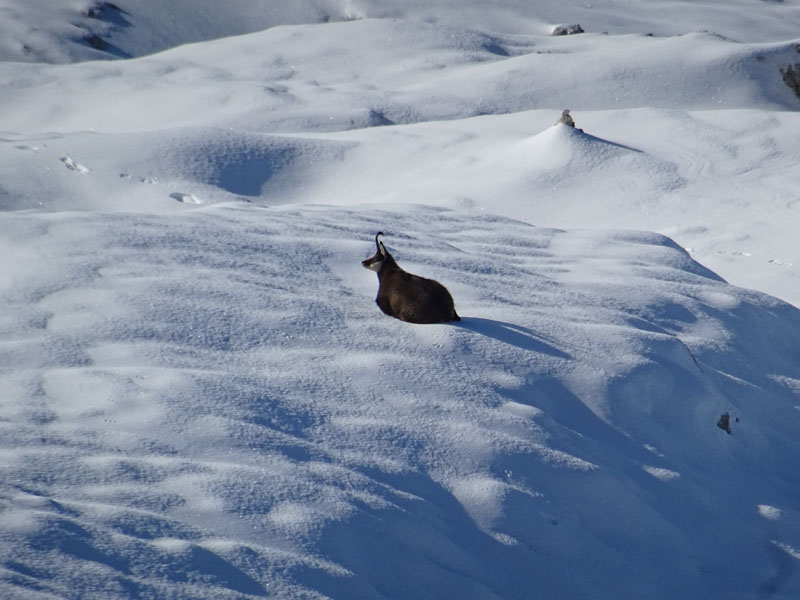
(405, 296)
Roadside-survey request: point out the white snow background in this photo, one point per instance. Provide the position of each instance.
(200, 399)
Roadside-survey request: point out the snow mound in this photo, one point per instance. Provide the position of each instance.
(563, 157)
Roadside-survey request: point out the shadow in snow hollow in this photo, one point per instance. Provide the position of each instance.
(508, 333)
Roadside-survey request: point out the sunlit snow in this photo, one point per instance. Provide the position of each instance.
(200, 398)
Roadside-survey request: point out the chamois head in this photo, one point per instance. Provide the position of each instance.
(405, 296)
(374, 263)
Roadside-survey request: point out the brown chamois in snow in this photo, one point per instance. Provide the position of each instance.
(408, 297)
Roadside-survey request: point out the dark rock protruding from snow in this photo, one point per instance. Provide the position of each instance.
(567, 29)
(791, 77)
(724, 423)
(566, 119)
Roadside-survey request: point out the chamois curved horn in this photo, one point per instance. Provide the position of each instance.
(377, 242)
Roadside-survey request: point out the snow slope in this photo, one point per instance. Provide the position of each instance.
(59, 32)
(178, 397)
(201, 399)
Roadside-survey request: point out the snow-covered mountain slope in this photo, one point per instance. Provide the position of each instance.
(58, 32)
(216, 393)
(692, 136)
(319, 78)
(201, 398)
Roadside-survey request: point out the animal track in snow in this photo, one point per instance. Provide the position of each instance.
(186, 198)
(780, 263)
(129, 177)
(74, 166)
(773, 261)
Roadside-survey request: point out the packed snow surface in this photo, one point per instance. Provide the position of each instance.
(201, 398)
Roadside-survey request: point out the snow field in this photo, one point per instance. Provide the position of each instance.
(201, 399)
(180, 392)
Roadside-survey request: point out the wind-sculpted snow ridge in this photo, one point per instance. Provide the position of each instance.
(208, 404)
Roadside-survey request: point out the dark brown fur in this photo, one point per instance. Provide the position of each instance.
(408, 297)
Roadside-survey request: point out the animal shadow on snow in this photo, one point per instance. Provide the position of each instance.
(509, 333)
